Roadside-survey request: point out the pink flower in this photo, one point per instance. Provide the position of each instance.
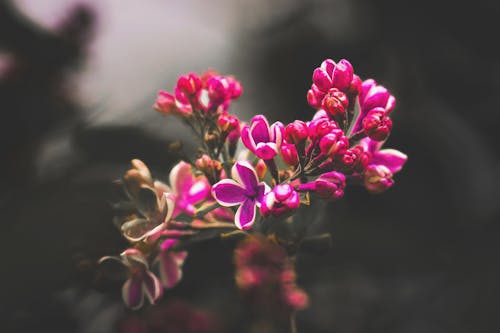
(243, 190)
(261, 139)
(141, 282)
(376, 103)
(377, 178)
(392, 159)
(187, 189)
(289, 154)
(331, 75)
(328, 186)
(382, 165)
(281, 200)
(170, 263)
(296, 132)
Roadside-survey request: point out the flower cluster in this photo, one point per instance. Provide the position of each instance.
(255, 188)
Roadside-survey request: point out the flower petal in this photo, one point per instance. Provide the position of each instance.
(247, 139)
(262, 190)
(228, 192)
(393, 159)
(259, 129)
(245, 174)
(152, 287)
(137, 229)
(245, 215)
(277, 133)
(266, 151)
(170, 264)
(132, 293)
(181, 178)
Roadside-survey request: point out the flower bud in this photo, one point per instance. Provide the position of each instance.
(296, 132)
(289, 154)
(165, 103)
(228, 122)
(329, 186)
(333, 143)
(353, 160)
(261, 169)
(281, 200)
(321, 79)
(355, 86)
(377, 125)
(189, 84)
(335, 103)
(320, 127)
(378, 178)
(211, 168)
(315, 96)
(342, 75)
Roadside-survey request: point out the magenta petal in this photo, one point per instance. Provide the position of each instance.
(132, 292)
(262, 190)
(391, 158)
(227, 192)
(321, 79)
(181, 177)
(199, 190)
(277, 133)
(328, 65)
(366, 86)
(266, 151)
(342, 75)
(170, 268)
(376, 97)
(152, 287)
(259, 129)
(245, 216)
(246, 175)
(247, 139)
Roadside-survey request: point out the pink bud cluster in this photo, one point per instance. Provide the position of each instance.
(209, 93)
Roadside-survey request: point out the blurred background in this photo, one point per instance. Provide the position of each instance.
(77, 81)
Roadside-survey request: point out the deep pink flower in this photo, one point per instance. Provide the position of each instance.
(289, 154)
(141, 282)
(167, 104)
(377, 178)
(328, 186)
(296, 132)
(374, 97)
(170, 263)
(243, 190)
(333, 143)
(320, 126)
(332, 75)
(281, 200)
(335, 103)
(187, 189)
(390, 158)
(376, 124)
(261, 139)
(189, 84)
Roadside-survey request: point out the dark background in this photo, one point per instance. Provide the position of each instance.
(423, 257)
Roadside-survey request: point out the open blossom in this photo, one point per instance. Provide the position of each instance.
(243, 190)
(381, 166)
(280, 201)
(187, 189)
(261, 139)
(154, 205)
(141, 282)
